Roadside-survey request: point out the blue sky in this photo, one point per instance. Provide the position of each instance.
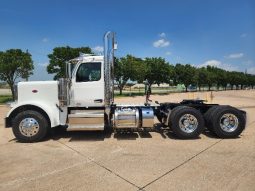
(198, 32)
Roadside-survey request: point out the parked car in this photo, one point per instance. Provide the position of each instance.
(192, 88)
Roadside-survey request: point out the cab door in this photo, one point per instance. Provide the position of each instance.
(87, 88)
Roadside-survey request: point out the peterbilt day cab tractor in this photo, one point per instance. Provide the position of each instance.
(84, 101)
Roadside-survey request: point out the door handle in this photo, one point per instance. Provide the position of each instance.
(98, 101)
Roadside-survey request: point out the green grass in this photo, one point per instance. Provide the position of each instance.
(5, 98)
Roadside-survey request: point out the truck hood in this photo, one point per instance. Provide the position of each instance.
(34, 91)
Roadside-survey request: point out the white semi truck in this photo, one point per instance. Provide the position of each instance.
(84, 101)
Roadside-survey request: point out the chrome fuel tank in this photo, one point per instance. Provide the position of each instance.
(147, 117)
(133, 117)
(126, 118)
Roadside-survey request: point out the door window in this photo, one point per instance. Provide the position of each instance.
(88, 72)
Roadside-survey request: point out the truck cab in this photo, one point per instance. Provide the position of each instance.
(87, 82)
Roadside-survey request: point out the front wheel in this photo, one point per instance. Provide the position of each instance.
(30, 126)
(186, 122)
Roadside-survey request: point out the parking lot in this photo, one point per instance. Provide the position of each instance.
(133, 161)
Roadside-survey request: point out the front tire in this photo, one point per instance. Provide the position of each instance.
(30, 126)
(186, 122)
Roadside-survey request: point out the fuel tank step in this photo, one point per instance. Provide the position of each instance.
(86, 120)
(86, 115)
(98, 127)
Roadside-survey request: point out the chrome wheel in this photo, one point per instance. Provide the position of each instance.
(188, 123)
(229, 122)
(29, 127)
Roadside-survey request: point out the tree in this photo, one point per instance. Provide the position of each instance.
(211, 76)
(234, 79)
(185, 74)
(156, 71)
(14, 64)
(127, 68)
(243, 79)
(201, 77)
(171, 75)
(121, 73)
(59, 57)
(250, 80)
(138, 70)
(221, 77)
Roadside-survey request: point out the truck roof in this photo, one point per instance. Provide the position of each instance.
(87, 58)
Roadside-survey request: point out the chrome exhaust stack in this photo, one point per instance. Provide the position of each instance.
(109, 46)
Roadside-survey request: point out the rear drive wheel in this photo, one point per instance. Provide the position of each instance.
(30, 126)
(186, 122)
(208, 118)
(228, 122)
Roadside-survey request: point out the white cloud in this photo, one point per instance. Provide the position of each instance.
(45, 64)
(251, 70)
(98, 49)
(45, 40)
(235, 55)
(162, 35)
(219, 64)
(168, 53)
(243, 35)
(248, 62)
(161, 43)
(215, 63)
(229, 67)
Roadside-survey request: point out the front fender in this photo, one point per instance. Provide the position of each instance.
(51, 110)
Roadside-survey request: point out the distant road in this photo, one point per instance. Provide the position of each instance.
(5, 92)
